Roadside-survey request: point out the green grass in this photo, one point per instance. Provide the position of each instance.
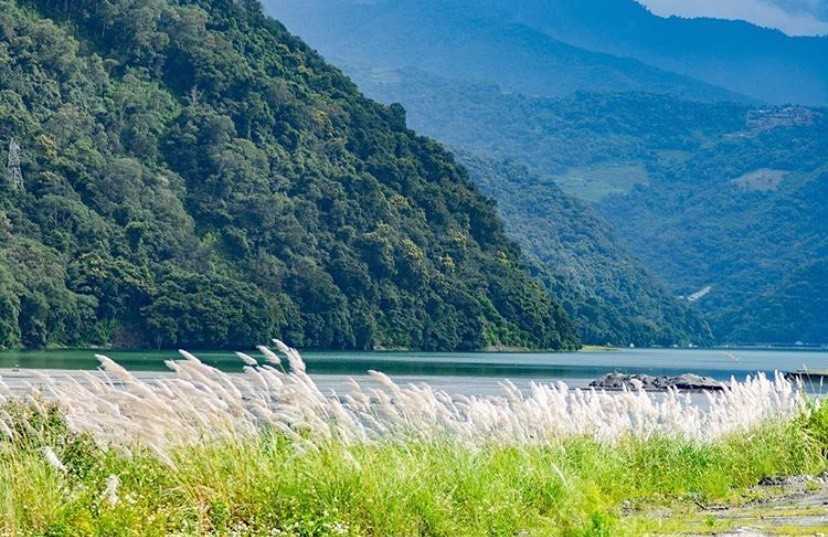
(265, 486)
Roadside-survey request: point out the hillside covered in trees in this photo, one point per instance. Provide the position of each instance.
(610, 295)
(187, 173)
(745, 215)
(728, 196)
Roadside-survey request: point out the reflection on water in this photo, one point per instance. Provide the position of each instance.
(546, 366)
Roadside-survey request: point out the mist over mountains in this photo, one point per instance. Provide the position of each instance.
(794, 17)
(614, 45)
(457, 40)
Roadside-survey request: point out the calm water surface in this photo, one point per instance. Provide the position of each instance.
(465, 372)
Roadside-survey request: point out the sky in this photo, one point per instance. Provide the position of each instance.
(794, 17)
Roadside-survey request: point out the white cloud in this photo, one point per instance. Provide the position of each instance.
(794, 17)
(819, 8)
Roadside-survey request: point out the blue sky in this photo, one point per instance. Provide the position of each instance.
(794, 17)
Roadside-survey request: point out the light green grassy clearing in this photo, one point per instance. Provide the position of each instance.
(264, 486)
(596, 182)
(597, 348)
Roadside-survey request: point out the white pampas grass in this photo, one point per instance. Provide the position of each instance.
(199, 403)
(53, 459)
(6, 431)
(271, 357)
(294, 359)
(110, 493)
(248, 360)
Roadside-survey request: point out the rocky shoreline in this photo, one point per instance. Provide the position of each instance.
(685, 382)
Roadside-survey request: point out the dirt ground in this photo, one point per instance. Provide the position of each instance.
(796, 506)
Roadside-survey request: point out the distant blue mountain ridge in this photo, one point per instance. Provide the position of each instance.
(556, 47)
(483, 43)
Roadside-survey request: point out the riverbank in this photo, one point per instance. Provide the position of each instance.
(598, 348)
(785, 506)
(53, 482)
(268, 452)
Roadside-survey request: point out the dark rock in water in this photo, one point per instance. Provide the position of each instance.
(619, 381)
(689, 381)
(685, 382)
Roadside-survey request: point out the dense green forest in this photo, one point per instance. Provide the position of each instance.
(552, 135)
(746, 215)
(611, 296)
(519, 150)
(190, 174)
(725, 195)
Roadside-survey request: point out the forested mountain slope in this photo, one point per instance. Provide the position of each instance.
(729, 196)
(193, 175)
(611, 296)
(462, 40)
(518, 149)
(726, 195)
(747, 216)
(554, 137)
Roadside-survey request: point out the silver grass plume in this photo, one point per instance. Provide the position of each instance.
(53, 459)
(248, 360)
(198, 403)
(110, 493)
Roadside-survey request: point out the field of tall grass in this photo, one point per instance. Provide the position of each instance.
(266, 453)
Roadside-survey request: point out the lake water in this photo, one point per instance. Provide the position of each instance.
(477, 373)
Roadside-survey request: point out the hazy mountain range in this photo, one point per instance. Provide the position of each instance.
(460, 41)
(706, 187)
(553, 47)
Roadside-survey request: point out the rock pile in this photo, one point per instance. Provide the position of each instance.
(685, 382)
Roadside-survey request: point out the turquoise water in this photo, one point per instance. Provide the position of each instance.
(564, 366)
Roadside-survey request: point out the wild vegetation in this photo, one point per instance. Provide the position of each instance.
(519, 150)
(551, 135)
(194, 175)
(264, 453)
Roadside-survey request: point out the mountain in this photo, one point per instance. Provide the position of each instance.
(187, 173)
(559, 46)
(760, 62)
(518, 150)
(611, 296)
(742, 219)
(463, 41)
(724, 196)
(611, 137)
